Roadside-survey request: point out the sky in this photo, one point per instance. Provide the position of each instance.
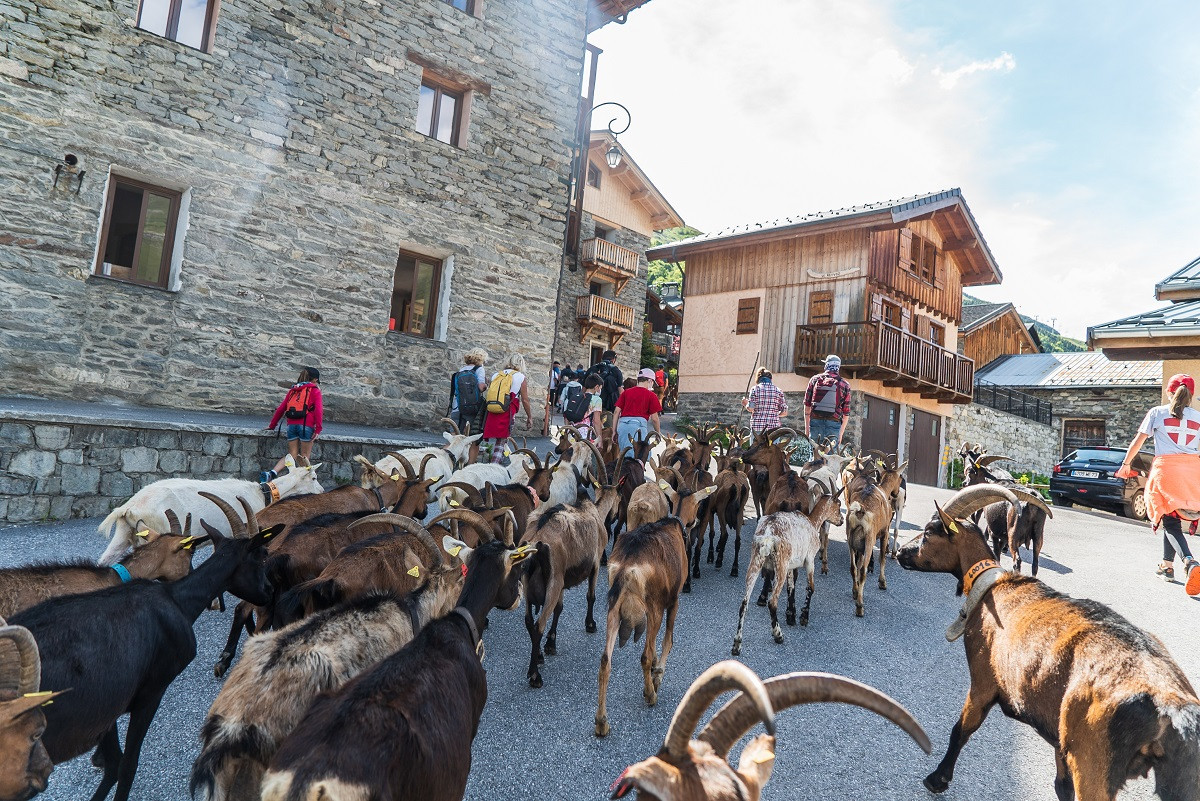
(1072, 128)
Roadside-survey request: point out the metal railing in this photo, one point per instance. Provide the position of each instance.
(1010, 400)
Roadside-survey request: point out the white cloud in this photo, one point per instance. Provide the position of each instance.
(1001, 63)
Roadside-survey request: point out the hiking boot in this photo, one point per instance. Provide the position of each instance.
(1192, 587)
(1165, 572)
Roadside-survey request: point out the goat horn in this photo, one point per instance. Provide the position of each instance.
(738, 716)
(720, 678)
(537, 462)
(827, 487)
(403, 460)
(26, 668)
(1032, 497)
(424, 462)
(251, 520)
(471, 490)
(408, 525)
(984, 461)
(472, 519)
(235, 522)
(600, 467)
(173, 522)
(969, 500)
(452, 424)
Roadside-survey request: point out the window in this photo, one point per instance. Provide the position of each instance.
(415, 295)
(593, 175)
(189, 22)
(820, 307)
(921, 259)
(747, 316)
(892, 314)
(937, 334)
(1078, 434)
(138, 236)
(439, 112)
(463, 5)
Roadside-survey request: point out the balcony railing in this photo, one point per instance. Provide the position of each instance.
(609, 260)
(601, 316)
(1009, 400)
(898, 358)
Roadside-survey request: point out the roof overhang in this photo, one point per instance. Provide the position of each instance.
(1139, 343)
(960, 238)
(642, 189)
(602, 12)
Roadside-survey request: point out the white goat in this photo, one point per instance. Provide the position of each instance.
(148, 507)
(478, 476)
(445, 461)
(787, 541)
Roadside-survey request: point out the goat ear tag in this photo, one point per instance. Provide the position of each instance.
(41, 694)
(454, 502)
(144, 533)
(395, 477)
(415, 572)
(455, 550)
(186, 542)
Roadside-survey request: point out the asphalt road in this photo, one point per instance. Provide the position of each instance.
(539, 743)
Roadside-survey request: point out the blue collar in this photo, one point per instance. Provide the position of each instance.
(123, 572)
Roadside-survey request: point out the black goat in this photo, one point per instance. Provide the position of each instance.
(119, 648)
(402, 730)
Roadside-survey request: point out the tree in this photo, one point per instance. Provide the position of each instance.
(660, 272)
(649, 357)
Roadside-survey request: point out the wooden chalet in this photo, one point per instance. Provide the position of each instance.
(991, 330)
(878, 284)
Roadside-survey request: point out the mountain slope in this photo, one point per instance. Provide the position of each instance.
(1052, 340)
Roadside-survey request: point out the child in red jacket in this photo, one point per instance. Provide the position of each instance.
(303, 412)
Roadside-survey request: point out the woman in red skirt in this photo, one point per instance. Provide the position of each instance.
(497, 426)
(1173, 489)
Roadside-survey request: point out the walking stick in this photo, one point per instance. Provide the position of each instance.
(750, 381)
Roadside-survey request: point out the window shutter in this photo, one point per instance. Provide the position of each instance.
(820, 307)
(939, 268)
(876, 306)
(747, 316)
(922, 327)
(906, 244)
(906, 319)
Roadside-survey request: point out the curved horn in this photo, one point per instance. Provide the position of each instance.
(251, 520)
(601, 469)
(738, 716)
(720, 678)
(969, 500)
(1032, 497)
(828, 488)
(424, 462)
(407, 525)
(537, 462)
(984, 461)
(20, 662)
(453, 425)
(235, 522)
(173, 522)
(472, 491)
(472, 519)
(403, 460)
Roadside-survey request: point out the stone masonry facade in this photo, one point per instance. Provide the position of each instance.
(1032, 446)
(1121, 408)
(294, 144)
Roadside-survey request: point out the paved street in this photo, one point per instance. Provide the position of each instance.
(539, 743)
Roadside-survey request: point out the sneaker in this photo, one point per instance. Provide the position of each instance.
(1192, 587)
(266, 475)
(1165, 572)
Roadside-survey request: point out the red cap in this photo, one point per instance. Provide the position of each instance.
(1181, 379)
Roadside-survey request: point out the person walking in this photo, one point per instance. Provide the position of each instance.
(466, 389)
(766, 404)
(507, 393)
(637, 408)
(607, 369)
(1174, 482)
(302, 409)
(555, 381)
(827, 403)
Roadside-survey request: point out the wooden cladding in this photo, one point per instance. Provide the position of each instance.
(595, 309)
(747, 315)
(820, 307)
(911, 266)
(1006, 335)
(817, 258)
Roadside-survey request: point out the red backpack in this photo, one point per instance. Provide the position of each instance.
(298, 407)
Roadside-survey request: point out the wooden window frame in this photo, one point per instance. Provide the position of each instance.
(820, 296)
(441, 88)
(593, 170)
(435, 306)
(164, 268)
(922, 253)
(172, 31)
(746, 307)
(937, 332)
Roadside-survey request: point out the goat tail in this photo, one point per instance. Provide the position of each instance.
(304, 599)
(117, 528)
(231, 752)
(628, 594)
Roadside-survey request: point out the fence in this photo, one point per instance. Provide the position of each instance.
(1010, 400)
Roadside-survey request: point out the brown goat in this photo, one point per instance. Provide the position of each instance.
(165, 557)
(647, 504)
(1104, 693)
(868, 516)
(515, 497)
(727, 510)
(24, 764)
(646, 572)
(698, 770)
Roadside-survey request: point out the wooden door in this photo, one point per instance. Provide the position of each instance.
(1082, 434)
(924, 448)
(880, 425)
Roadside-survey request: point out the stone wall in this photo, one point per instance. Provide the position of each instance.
(1122, 409)
(55, 470)
(1031, 445)
(294, 142)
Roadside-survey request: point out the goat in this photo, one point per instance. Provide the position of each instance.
(148, 505)
(788, 541)
(645, 576)
(281, 672)
(868, 516)
(727, 510)
(977, 466)
(453, 492)
(166, 557)
(895, 486)
(24, 764)
(1107, 695)
(647, 504)
(699, 770)
(519, 499)
(459, 449)
(402, 730)
(383, 563)
(1014, 526)
(119, 648)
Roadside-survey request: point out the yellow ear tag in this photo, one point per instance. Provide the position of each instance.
(144, 533)
(395, 478)
(39, 694)
(186, 541)
(454, 502)
(507, 452)
(453, 551)
(415, 572)
(953, 527)
(663, 485)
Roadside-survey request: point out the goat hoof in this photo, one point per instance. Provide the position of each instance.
(710, 559)
(778, 637)
(97, 759)
(696, 572)
(883, 585)
(736, 649)
(936, 784)
(687, 588)
(551, 649)
(602, 727)
(858, 612)
(733, 572)
(220, 667)
(791, 620)
(535, 681)
(719, 563)
(824, 570)
(804, 620)
(590, 627)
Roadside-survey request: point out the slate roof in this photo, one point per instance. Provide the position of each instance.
(1178, 318)
(980, 313)
(1059, 370)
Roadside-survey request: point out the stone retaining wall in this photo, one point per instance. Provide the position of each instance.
(1032, 446)
(56, 470)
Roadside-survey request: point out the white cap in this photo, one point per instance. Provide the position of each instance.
(833, 360)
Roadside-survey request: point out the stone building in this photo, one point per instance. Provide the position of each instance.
(197, 199)
(602, 290)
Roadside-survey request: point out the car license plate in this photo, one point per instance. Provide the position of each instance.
(1085, 474)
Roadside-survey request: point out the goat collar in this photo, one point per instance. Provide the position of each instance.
(478, 643)
(382, 505)
(976, 583)
(270, 492)
(123, 572)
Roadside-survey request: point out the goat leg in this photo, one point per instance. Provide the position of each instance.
(668, 642)
(773, 606)
(589, 624)
(697, 547)
(883, 559)
(108, 757)
(534, 627)
(791, 586)
(610, 641)
(752, 573)
(974, 712)
(551, 648)
(825, 548)
(768, 583)
(710, 525)
(242, 619)
(811, 569)
(722, 541)
(649, 662)
(737, 546)
(1064, 787)
(141, 715)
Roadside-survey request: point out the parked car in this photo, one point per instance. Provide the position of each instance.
(1086, 477)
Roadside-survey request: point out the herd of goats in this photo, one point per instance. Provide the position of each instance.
(366, 605)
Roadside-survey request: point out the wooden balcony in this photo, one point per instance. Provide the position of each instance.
(608, 260)
(883, 352)
(603, 317)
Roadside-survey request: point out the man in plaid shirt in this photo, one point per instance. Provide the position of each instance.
(827, 403)
(766, 404)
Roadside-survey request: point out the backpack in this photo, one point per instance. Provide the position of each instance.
(825, 394)
(612, 385)
(466, 389)
(575, 409)
(298, 406)
(499, 392)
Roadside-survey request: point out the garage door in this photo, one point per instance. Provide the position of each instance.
(880, 425)
(924, 448)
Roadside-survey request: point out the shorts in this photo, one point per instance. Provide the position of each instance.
(297, 431)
